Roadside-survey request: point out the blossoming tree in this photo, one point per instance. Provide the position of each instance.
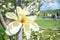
(21, 19)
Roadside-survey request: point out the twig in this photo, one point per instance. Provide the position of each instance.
(2, 21)
(11, 37)
(18, 3)
(4, 24)
(29, 6)
(19, 34)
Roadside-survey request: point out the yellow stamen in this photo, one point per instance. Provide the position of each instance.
(23, 20)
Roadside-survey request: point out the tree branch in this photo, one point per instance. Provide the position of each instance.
(4, 24)
(18, 3)
(29, 6)
(2, 21)
(19, 34)
(11, 37)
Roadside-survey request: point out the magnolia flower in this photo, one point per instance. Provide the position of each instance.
(9, 4)
(19, 20)
(4, 6)
(0, 3)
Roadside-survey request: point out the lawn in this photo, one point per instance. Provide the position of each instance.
(48, 23)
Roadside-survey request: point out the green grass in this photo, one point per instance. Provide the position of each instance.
(48, 23)
(3, 36)
(51, 11)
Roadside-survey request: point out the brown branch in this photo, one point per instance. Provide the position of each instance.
(18, 3)
(11, 37)
(2, 21)
(19, 34)
(4, 24)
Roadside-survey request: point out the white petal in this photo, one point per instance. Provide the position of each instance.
(22, 11)
(25, 12)
(32, 18)
(13, 28)
(34, 26)
(11, 15)
(27, 31)
(18, 9)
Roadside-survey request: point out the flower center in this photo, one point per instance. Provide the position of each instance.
(23, 20)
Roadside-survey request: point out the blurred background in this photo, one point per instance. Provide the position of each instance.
(48, 18)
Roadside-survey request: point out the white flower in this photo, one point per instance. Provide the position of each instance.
(9, 4)
(4, 6)
(21, 19)
(0, 3)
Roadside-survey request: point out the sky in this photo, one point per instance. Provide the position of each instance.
(48, 5)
